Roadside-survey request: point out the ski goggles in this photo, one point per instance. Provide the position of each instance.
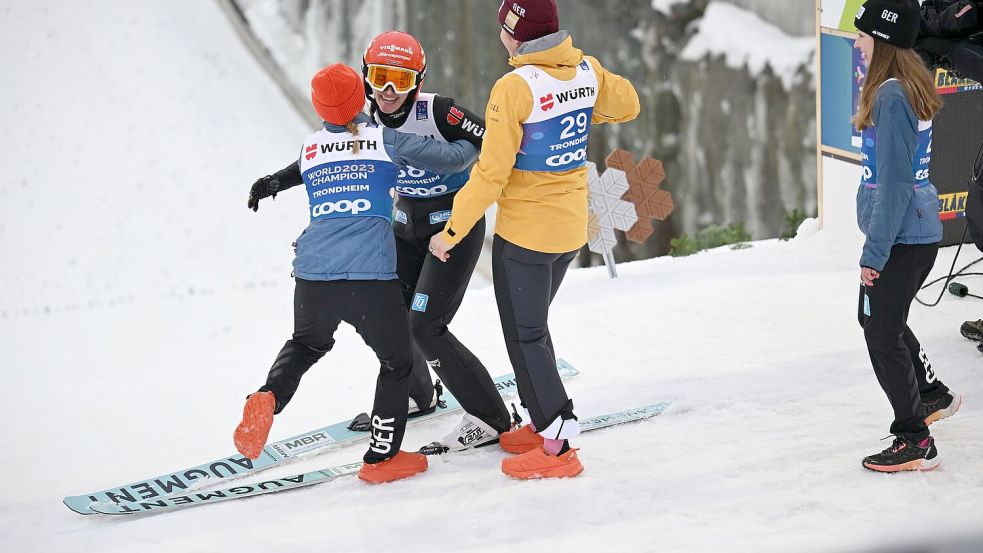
(381, 76)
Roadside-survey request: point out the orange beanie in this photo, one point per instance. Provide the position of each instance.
(337, 94)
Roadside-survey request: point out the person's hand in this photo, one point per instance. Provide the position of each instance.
(264, 187)
(867, 275)
(439, 248)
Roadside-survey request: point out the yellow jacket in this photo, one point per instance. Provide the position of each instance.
(541, 211)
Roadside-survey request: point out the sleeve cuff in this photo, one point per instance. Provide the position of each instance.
(450, 236)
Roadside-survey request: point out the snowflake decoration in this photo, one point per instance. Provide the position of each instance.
(626, 197)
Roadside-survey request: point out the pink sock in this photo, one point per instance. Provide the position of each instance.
(553, 447)
(923, 444)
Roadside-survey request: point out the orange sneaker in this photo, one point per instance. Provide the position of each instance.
(402, 465)
(257, 418)
(520, 440)
(539, 464)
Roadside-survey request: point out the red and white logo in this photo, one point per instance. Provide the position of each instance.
(310, 152)
(454, 116)
(546, 102)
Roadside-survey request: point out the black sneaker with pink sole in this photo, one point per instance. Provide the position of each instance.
(905, 454)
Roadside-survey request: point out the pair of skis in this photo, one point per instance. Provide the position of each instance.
(274, 454)
(324, 475)
(185, 488)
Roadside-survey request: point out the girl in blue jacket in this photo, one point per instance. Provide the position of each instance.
(345, 266)
(898, 212)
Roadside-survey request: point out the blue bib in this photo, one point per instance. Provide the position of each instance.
(420, 183)
(344, 184)
(554, 136)
(919, 165)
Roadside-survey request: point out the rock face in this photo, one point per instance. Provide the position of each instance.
(738, 146)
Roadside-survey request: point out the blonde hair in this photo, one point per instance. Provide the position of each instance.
(352, 127)
(889, 61)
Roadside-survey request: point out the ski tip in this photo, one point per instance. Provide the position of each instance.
(76, 508)
(107, 508)
(564, 365)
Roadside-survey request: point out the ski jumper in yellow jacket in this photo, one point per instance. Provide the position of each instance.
(541, 211)
(532, 163)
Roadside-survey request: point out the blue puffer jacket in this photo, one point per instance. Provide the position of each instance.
(900, 206)
(364, 248)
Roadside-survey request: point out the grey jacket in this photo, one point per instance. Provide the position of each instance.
(902, 207)
(364, 248)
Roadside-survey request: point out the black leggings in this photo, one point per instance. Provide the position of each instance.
(434, 291)
(525, 283)
(900, 364)
(375, 308)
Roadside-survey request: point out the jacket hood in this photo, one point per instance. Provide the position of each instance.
(555, 50)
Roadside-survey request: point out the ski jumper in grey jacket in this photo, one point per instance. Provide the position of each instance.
(346, 263)
(896, 203)
(361, 246)
(898, 212)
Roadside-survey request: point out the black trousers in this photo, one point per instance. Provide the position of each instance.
(900, 364)
(525, 283)
(434, 291)
(375, 308)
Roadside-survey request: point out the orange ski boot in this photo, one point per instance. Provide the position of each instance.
(537, 463)
(257, 418)
(402, 465)
(520, 440)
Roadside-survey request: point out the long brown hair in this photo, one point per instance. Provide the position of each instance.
(352, 127)
(889, 61)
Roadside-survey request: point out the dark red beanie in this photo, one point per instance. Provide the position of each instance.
(528, 20)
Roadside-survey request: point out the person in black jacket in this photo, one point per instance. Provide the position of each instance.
(951, 36)
(974, 218)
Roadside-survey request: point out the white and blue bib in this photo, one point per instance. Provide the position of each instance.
(420, 183)
(919, 165)
(554, 136)
(342, 184)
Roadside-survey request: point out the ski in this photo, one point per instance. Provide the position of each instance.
(324, 475)
(274, 454)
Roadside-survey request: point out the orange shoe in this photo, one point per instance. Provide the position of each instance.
(539, 464)
(403, 465)
(257, 418)
(520, 440)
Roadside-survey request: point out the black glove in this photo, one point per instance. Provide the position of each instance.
(266, 186)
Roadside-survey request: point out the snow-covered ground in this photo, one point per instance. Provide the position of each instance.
(141, 302)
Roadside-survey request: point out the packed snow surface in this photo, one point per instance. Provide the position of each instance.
(141, 302)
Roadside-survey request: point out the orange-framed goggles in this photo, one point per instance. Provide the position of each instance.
(381, 76)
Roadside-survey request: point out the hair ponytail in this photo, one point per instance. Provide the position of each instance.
(352, 127)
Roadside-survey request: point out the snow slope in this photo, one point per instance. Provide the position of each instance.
(143, 302)
(130, 137)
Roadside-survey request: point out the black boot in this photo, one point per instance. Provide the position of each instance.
(972, 330)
